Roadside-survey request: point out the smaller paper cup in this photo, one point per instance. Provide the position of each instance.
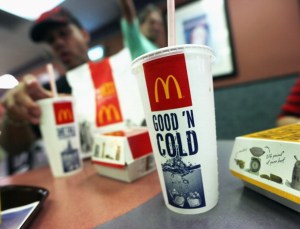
(60, 134)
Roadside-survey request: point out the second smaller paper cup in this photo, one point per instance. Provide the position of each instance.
(60, 135)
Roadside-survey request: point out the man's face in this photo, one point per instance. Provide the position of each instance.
(69, 44)
(152, 27)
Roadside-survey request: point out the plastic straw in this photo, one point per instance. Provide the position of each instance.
(52, 79)
(171, 22)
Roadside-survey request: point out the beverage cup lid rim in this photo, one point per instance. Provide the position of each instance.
(171, 49)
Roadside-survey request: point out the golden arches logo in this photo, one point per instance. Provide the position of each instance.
(108, 111)
(65, 115)
(166, 87)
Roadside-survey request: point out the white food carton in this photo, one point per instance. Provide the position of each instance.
(107, 97)
(123, 155)
(269, 163)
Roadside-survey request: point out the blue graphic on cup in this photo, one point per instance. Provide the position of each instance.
(183, 184)
(70, 158)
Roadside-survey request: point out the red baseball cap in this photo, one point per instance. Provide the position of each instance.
(54, 17)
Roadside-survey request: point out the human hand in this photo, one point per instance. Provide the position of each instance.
(128, 10)
(20, 102)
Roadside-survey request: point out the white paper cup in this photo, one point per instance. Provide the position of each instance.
(61, 136)
(177, 93)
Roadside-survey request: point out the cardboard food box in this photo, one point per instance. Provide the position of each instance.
(103, 101)
(124, 155)
(269, 163)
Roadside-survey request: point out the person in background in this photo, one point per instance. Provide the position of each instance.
(68, 41)
(143, 34)
(290, 111)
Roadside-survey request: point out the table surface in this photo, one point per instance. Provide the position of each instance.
(87, 200)
(84, 199)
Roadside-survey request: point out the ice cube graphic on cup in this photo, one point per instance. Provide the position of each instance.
(183, 191)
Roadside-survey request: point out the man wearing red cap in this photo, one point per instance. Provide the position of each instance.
(64, 34)
(69, 43)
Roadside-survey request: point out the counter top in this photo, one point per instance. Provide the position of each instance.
(85, 199)
(238, 207)
(88, 200)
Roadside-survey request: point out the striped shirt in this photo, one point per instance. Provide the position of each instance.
(291, 107)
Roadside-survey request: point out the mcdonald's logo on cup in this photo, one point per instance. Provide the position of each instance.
(166, 87)
(63, 113)
(167, 83)
(108, 114)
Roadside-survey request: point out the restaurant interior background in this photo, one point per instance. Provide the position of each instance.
(265, 37)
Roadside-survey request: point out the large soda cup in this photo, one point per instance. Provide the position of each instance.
(60, 135)
(177, 93)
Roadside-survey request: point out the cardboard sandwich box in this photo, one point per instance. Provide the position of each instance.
(123, 155)
(269, 163)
